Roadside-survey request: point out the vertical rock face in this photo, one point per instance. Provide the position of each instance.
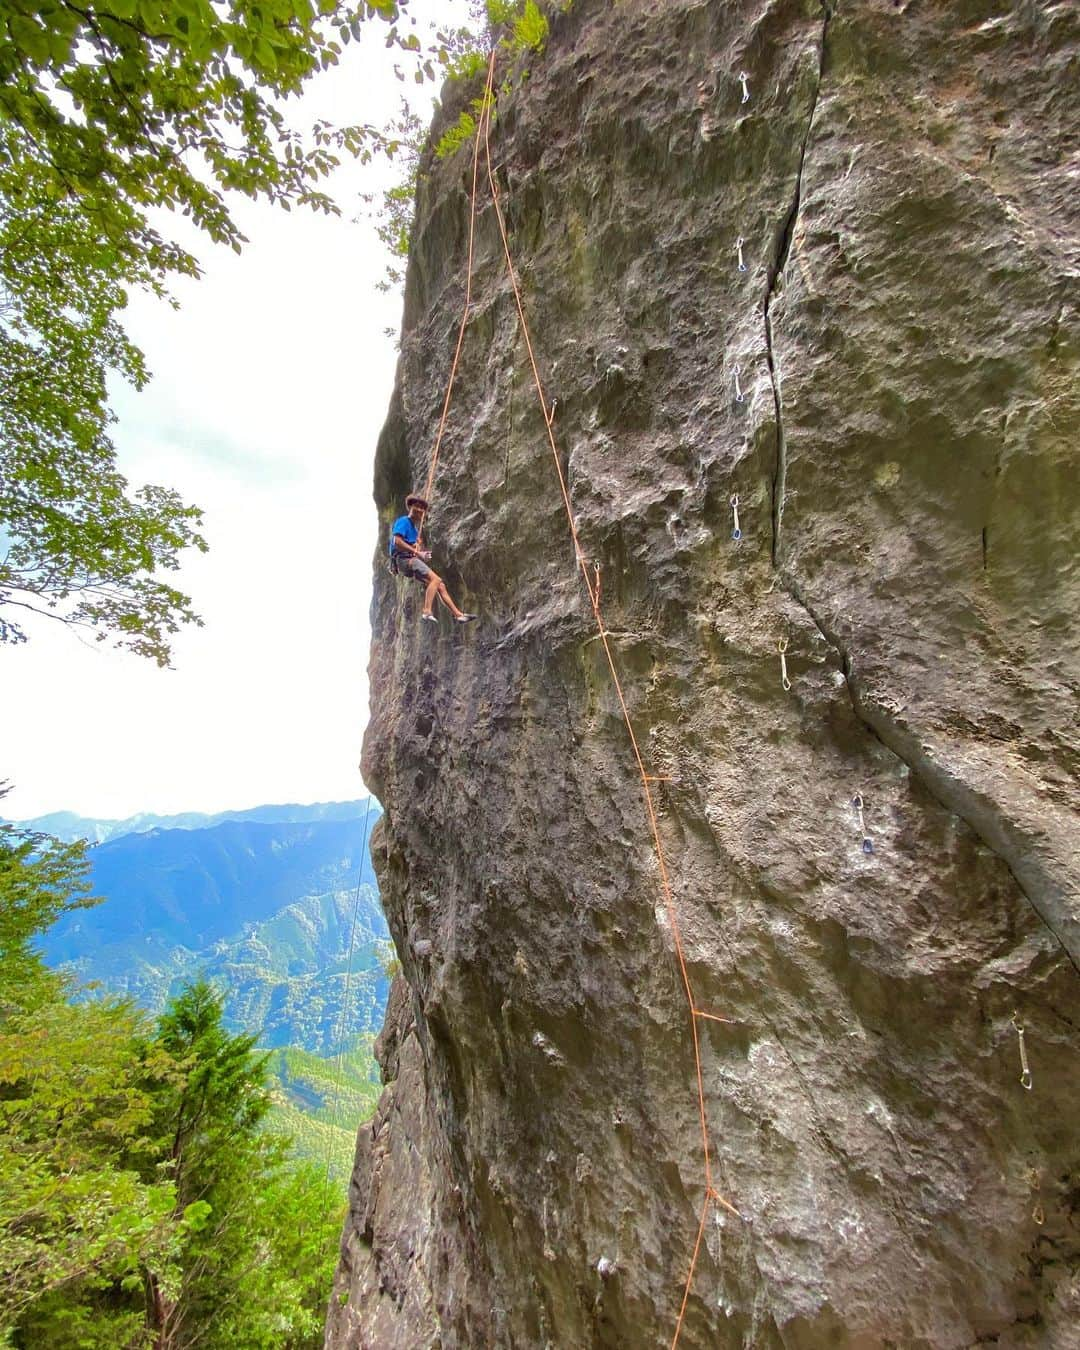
(904, 177)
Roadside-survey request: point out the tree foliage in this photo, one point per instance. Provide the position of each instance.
(40, 879)
(143, 1201)
(75, 1104)
(231, 1266)
(110, 112)
(518, 27)
(81, 1209)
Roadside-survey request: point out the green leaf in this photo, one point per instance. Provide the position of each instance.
(59, 48)
(30, 37)
(265, 53)
(196, 1215)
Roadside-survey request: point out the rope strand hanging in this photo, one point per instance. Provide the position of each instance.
(592, 586)
(468, 294)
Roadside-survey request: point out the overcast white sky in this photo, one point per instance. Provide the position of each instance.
(270, 386)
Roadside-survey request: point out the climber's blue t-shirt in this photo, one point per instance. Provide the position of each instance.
(408, 531)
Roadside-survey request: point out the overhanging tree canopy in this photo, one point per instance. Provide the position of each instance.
(109, 112)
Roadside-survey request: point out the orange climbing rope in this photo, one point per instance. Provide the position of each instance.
(592, 586)
(465, 307)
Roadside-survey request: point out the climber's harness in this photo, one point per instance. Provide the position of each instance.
(412, 568)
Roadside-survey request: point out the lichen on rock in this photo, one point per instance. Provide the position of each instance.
(903, 179)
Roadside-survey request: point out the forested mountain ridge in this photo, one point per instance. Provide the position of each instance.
(268, 911)
(319, 1098)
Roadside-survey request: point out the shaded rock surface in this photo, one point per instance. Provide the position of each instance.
(904, 177)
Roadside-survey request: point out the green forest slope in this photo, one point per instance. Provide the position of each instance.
(318, 1101)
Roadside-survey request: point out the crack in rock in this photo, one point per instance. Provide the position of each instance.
(775, 272)
(979, 813)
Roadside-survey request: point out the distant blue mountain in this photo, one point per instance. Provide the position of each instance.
(263, 907)
(69, 826)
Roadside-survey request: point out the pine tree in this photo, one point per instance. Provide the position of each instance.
(143, 1200)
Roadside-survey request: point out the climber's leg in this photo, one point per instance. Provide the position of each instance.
(445, 597)
(434, 586)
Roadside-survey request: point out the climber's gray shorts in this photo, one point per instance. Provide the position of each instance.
(415, 568)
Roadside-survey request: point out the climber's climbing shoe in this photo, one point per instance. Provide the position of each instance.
(464, 618)
(429, 618)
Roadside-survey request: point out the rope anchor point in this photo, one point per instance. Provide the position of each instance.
(857, 807)
(739, 395)
(781, 647)
(1025, 1068)
(714, 1195)
(736, 532)
(739, 245)
(743, 79)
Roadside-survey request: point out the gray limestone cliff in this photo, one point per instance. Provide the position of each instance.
(905, 178)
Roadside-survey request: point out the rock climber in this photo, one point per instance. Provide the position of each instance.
(411, 559)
